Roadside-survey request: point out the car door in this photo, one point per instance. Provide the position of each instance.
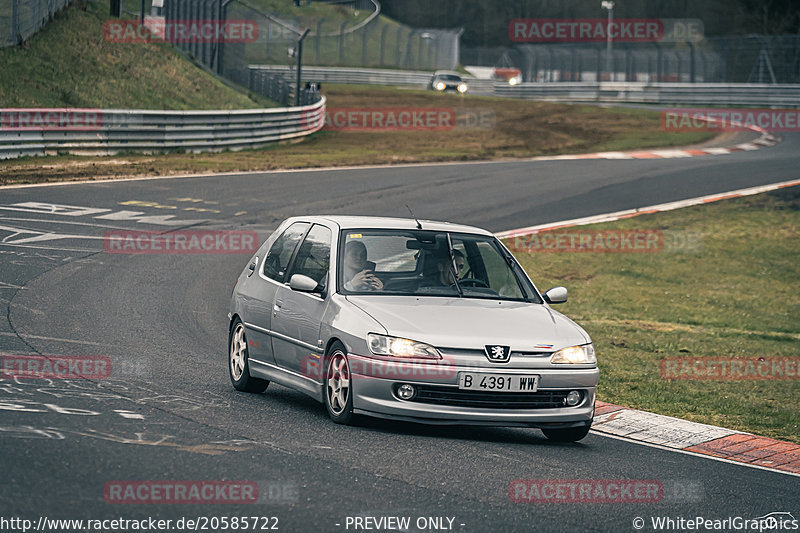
(297, 316)
(259, 291)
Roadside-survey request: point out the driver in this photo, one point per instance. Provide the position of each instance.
(444, 277)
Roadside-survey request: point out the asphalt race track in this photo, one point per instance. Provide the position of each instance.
(168, 411)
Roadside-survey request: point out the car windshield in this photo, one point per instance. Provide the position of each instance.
(448, 77)
(429, 263)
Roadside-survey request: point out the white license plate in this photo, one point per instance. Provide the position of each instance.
(497, 382)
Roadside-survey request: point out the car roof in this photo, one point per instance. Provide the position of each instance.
(365, 222)
(446, 73)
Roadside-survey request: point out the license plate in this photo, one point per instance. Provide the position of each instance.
(497, 382)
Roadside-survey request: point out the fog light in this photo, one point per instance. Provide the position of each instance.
(573, 398)
(406, 392)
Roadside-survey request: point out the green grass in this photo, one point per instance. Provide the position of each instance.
(735, 295)
(360, 48)
(70, 64)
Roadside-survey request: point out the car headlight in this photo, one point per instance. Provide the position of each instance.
(515, 80)
(575, 355)
(440, 86)
(462, 87)
(399, 347)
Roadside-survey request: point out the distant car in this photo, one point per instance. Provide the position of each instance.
(448, 81)
(419, 321)
(512, 76)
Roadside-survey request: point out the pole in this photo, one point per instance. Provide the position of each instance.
(609, 45)
(299, 67)
(15, 22)
(609, 63)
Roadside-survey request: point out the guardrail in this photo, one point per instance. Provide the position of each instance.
(110, 131)
(728, 94)
(365, 76)
(658, 93)
(413, 78)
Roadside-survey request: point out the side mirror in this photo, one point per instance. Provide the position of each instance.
(252, 267)
(556, 295)
(302, 283)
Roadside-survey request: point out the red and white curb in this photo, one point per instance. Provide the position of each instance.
(693, 437)
(629, 213)
(766, 139)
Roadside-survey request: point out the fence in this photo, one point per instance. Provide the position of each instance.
(278, 87)
(409, 78)
(19, 19)
(736, 59)
(350, 35)
(153, 131)
(658, 93)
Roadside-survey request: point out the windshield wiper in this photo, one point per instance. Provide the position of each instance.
(453, 268)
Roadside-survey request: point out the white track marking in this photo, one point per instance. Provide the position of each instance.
(657, 429)
(694, 454)
(608, 217)
(129, 414)
(54, 339)
(61, 222)
(39, 236)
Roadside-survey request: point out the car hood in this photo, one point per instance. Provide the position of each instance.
(468, 323)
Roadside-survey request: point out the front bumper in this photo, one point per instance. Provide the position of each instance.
(374, 385)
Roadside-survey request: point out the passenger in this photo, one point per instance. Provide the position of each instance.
(359, 274)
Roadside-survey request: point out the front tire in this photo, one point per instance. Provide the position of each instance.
(338, 386)
(238, 362)
(567, 434)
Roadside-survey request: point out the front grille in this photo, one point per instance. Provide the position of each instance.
(452, 396)
(482, 354)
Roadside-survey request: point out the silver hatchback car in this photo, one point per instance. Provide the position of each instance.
(410, 320)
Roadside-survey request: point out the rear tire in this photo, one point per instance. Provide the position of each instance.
(567, 434)
(238, 362)
(338, 385)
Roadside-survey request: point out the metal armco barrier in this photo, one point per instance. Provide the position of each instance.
(414, 78)
(722, 94)
(365, 76)
(155, 131)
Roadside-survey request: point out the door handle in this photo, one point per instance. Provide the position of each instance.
(276, 307)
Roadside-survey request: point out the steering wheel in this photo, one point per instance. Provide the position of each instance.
(471, 281)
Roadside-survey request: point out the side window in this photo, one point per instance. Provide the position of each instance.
(314, 256)
(281, 252)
